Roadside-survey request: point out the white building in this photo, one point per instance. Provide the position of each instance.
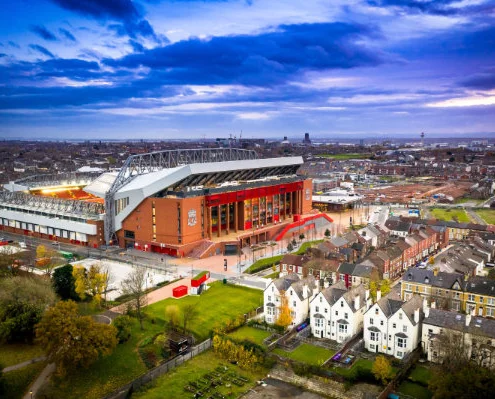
(299, 293)
(337, 313)
(475, 334)
(392, 326)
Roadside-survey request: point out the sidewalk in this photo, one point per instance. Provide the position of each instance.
(23, 364)
(33, 389)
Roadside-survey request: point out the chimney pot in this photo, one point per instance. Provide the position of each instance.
(378, 295)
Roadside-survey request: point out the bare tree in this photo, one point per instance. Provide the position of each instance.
(107, 279)
(190, 313)
(133, 286)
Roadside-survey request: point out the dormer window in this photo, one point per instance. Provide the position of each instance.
(400, 316)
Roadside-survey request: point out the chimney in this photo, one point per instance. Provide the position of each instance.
(367, 295)
(426, 309)
(378, 295)
(326, 284)
(305, 291)
(416, 315)
(468, 320)
(357, 302)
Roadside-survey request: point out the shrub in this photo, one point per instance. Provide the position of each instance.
(264, 264)
(123, 326)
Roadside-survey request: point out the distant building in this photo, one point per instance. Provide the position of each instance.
(306, 139)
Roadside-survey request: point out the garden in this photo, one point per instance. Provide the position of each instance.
(416, 384)
(488, 215)
(449, 214)
(305, 353)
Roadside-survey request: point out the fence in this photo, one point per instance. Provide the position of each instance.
(127, 390)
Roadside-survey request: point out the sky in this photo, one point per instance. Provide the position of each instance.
(173, 69)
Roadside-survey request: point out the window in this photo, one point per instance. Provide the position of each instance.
(318, 322)
(381, 322)
(343, 328)
(294, 303)
(371, 321)
(284, 267)
(399, 354)
(269, 298)
(372, 347)
(373, 336)
(401, 342)
(346, 316)
(336, 313)
(394, 325)
(481, 299)
(400, 316)
(404, 329)
(317, 309)
(471, 297)
(326, 310)
(341, 304)
(490, 312)
(321, 299)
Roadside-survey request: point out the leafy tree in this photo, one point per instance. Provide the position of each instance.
(431, 261)
(491, 274)
(284, 314)
(63, 282)
(7, 259)
(133, 286)
(189, 314)
(93, 282)
(301, 236)
(290, 247)
(385, 287)
(72, 340)
(123, 326)
(327, 233)
(382, 370)
(22, 303)
(172, 315)
(40, 251)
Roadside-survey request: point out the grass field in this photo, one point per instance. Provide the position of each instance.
(251, 334)
(463, 200)
(365, 364)
(488, 215)
(171, 385)
(17, 382)
(215, 307)
(414, 390)
(11, 354)
(449, 214)
(308, 354)
(420, 374)
(342, 157)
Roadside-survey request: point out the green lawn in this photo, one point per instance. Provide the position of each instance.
(420, 374)
(171, 385)
(263, 264)
(415, 390)
(308, 354)
(17, 382)
(273, 275)
(304, 247)
(216, 306)
(11, 354)
(449, 214)
(365, 364)
(251, 334)
(488, 215)
(463, 200)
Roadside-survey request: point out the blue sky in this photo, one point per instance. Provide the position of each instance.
(75, 69)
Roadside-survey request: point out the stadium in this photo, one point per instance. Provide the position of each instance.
(177, 202)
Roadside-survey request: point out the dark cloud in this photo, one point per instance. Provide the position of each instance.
(3, 55)
(88, 53)
(126, 12)
(436, 7)
(268, 58)
(44, 33)
(67, 34)
(41, 50)
(14, 44)
(136, 46)
(483, 81)
(107, 9)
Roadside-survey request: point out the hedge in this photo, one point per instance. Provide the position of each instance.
(263, 264)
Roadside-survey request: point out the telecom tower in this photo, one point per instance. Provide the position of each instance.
(422, 139)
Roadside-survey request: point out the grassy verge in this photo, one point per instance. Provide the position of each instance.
(273, 275)
(263, 264)
(309, 354)
(11, 354)
(488, 215)
(250, 334)
(448, 214)
(17, 382)
(171, 385)
(304, 247)
(218, 305)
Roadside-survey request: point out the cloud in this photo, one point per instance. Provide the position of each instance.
(484, 80)
(67, 34)
(3, 55)
(44, 33)
(124, 11)
(473, 100)
(263, 59)
(41, 50)
(136, 46)
(438, 7)
(14, 44)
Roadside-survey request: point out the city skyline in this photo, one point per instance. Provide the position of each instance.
(156, 69)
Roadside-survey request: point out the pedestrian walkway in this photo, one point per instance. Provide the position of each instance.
(23, 364)
(38, 383)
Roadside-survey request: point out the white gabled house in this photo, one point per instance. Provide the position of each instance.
(298, 291)
(337, 313)
(392, 326)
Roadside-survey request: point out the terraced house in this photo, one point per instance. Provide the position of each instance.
(451, 291)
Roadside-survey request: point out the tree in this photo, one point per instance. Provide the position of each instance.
(284, 314)
(431, 261)
(40, 251)
(22, 303)
(290, 247)
(133, 286)
(123, 326)
(72, 340)
(189, 314)
(172, 315)
(63, 282)
(93, 282)
(327, 233)
(491, 274)
(301, 236)
(7, 260)
(385, 287)
(382, 370)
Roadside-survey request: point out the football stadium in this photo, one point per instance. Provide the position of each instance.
(177, 202)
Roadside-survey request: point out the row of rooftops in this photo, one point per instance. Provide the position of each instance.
(403, 223)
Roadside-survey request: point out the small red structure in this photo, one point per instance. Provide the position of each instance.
(179, 291)
(198, 282)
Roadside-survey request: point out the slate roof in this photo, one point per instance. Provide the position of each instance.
(346, 268)
(480, 286)
(457, 322)
(339, 241)
(333, 293)
(295, 260)
(285, 282)
(298, 286)
(425, 276)
(409, 308)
